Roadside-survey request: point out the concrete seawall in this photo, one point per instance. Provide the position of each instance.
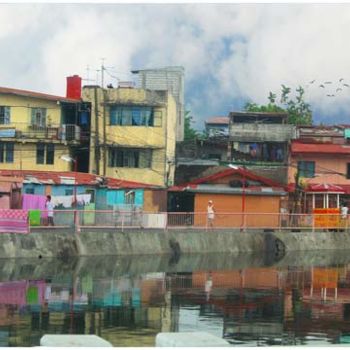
(65, 244)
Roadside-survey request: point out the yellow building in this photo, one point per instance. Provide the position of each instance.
(37, 129)
(132, 134)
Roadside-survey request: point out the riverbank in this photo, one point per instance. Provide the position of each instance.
(53, 243)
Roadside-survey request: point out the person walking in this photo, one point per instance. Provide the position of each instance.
(210, 213)
(344, 215)
(49, 208)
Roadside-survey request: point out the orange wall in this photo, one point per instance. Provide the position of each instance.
(231, 203)
(331, 162)
(247, 278)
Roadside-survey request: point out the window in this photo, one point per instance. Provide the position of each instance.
(68, 192)
(45, 153)
(130, 158)
(39, 117)
(6, 152)
(306, 168)
(92, 193)
(129, 197)
(4, 115)
(29, 190)
(135, 116)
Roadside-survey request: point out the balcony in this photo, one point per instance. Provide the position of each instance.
(66, 132)
(249, 132)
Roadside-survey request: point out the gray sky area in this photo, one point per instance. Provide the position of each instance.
(232, 53)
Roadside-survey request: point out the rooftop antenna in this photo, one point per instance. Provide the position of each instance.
(103, 68)
(88, 74)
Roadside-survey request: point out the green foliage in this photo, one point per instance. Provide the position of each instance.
(190, 133)
(299, 112)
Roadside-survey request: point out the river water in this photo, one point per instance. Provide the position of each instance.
(298, 299)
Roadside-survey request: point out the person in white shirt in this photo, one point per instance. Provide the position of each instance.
(210, 213)
(49, 208)
(344, 215)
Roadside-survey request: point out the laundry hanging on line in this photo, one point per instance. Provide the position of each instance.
(67, 201)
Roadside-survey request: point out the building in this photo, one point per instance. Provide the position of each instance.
(261, 139)
(36, 129)
(241, 199)
(171, 79)
(132, 134)
(320, 158)
(217, 126)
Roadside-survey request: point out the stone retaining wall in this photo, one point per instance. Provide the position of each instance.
(64, 244)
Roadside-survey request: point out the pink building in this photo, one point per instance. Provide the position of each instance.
(321, 154)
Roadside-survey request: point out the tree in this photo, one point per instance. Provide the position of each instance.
(299, 112)
(190, 133)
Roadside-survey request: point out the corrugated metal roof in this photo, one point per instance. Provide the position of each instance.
(203, 182)
(53, 177)
(33, 94)
(319, 148)
(218, 120)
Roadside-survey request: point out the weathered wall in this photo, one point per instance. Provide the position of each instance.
(56, 244)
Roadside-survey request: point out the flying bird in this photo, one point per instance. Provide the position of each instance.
(347, 85)
(327, 82)
(340, 80)
(312, 81)
(339, 89)
(330, 95)
(321, 86)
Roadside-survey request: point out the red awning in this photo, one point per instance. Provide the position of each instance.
(325, 188)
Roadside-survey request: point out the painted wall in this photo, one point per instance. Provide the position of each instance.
(20, 110)
(21, 120)
(332, 163)
(161, 139)
(232, 204)
(155, 201)
(24, 158)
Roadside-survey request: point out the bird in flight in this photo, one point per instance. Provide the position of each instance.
(339, 89)
(347, 85)
(312, 81)
(321, 86)
(327, 82)
(340, 80)
(330, 95)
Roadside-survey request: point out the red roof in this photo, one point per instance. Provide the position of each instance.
(228, 172)
(322, 188)
(320, 148)
(218, 120)
(55, 177)
(325, 188)
(33, 94)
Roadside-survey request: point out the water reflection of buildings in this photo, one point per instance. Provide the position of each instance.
(254, 306)
(115, 309)
(271, 306)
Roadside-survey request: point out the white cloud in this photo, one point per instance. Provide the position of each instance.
(229, 51)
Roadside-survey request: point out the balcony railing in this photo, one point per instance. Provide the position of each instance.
(65, 132)
(246, 222)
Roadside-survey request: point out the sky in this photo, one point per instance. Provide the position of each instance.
(232, 53)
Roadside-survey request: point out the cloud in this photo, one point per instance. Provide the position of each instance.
(232, 53)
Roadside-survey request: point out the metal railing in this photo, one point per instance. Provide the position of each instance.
(65, 132)
(138, 219)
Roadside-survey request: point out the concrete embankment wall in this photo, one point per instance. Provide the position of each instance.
(64, 244)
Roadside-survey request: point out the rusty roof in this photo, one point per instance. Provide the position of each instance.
(218, 120)
(57, 178)
(33, 94)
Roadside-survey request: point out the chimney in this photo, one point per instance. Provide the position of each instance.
(74, 87)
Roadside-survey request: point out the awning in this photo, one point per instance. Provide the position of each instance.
(325, 188)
